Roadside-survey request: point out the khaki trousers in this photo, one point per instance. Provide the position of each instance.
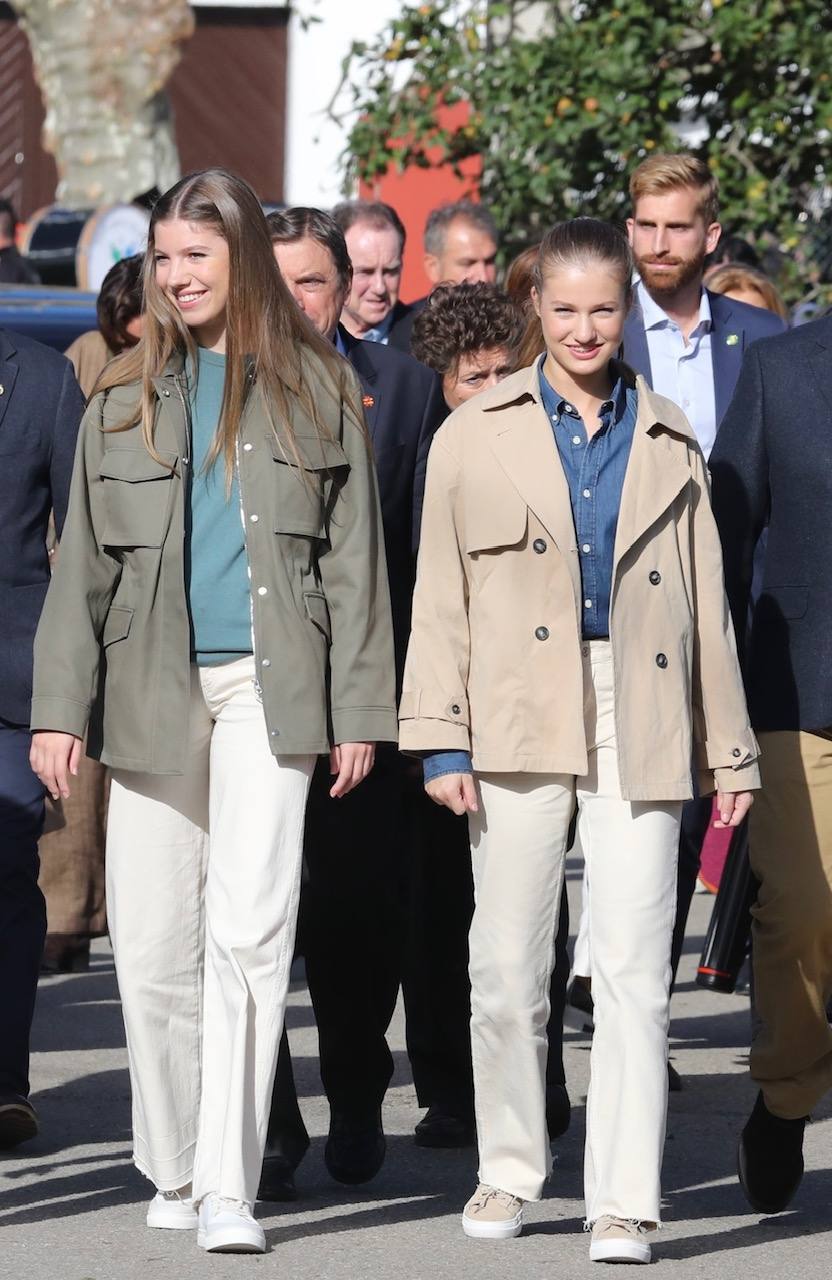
(790, 845)
(518, 841)
(203, 880)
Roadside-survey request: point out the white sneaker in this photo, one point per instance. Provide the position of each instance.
(227, 1226)
(618, 1240)
(172, 1210)
(492, 1214)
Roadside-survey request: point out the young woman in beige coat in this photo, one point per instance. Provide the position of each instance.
(571, 643)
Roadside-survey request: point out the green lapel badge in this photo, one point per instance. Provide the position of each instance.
(732, 339)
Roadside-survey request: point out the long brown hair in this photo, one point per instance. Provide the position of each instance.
(263, 322)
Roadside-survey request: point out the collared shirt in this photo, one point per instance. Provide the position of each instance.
(683, 371)
(381, 332)
(594, 467)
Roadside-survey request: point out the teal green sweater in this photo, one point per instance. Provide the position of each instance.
(216, 565)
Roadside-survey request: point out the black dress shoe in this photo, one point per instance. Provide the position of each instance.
(558, 1111)
(18, 1120)
(355, 1148)
(440, 1127)
(282, 1156)
(580, 1007)
(770, 1159)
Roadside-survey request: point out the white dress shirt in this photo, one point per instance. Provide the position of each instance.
(682, 370)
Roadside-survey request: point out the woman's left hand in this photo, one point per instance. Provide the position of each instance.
(732, 807)
(352, 761)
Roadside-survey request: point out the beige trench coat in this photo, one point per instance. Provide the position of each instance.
(494, 662)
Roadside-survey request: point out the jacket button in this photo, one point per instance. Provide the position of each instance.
(655, 577)
(248, 446)
(455, 710)
(275, 733)
(267, 662)
(661, 660)
(736, 753)
(165, 393)
(539, 546)
(542, 633)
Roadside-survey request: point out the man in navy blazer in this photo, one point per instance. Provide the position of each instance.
(772, 466)
(688, 343)
(40, 410)
(351, 925)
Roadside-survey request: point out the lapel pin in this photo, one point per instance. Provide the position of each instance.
(368, 402)
(732, 339)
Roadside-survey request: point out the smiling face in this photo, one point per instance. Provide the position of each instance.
(376, 256)
(192, 270)
(582, 309)
(476, 370)
(671, 240)
(311, 276)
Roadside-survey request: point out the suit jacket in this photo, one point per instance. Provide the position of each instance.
(40, 408)
(772, 464)
(403, 404)
(729, 318)
(401, 331)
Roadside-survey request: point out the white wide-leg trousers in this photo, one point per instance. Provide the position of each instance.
(203, 880)
(518, 840)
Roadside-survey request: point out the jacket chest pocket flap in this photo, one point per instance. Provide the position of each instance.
(302, 494)
(137, 492)
(493, 525)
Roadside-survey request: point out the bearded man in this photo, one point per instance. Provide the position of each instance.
(687, 341)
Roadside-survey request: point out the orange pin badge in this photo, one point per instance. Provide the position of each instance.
(368, 402)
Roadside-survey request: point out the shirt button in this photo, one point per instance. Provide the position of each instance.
(542, 633)
(661, 660)
(262, 591)
(587, 604)
(736, 753)
(248, 447)
(254, 519)
(586, 548)
(576, 439)
(539, 545)
(587, 493)
(570, 408)
(655, 577)
(267, 662)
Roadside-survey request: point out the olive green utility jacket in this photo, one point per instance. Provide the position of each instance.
(112, 651)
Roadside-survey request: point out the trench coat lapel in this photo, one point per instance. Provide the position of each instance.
(525, 448)
(657, 471)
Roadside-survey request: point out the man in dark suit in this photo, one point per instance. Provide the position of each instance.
(351, 923)
(772, 465)
(40, 411)
(689, 344)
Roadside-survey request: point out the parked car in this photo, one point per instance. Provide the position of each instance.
(49, 314)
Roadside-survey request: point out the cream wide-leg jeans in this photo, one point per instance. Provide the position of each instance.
(518, 841)
(203, 881)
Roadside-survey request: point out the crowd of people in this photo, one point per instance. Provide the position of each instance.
(355, 616)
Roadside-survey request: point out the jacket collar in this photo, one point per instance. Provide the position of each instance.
(8, 370)
(521, 439)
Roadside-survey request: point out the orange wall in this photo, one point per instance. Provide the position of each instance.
(415, 192)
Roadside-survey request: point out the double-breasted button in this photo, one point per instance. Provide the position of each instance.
(661, 660)
(655, 577)
(539, 545)
(542, 633)
(455, 710)
(736, 753)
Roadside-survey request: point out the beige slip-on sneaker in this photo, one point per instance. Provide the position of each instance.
(492, 1214)
(618, 1240)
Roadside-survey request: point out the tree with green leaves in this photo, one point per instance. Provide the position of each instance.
(566, 98)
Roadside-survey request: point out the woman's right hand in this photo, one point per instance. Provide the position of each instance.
(53, 757)
(457, 791)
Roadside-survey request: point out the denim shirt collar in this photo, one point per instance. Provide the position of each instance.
(611, 412)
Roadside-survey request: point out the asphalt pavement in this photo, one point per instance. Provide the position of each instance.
(72, 1205)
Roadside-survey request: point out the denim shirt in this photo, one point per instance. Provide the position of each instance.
(594, 468)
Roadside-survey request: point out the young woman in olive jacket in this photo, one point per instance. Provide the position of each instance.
(571, 642)
(220, 617)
